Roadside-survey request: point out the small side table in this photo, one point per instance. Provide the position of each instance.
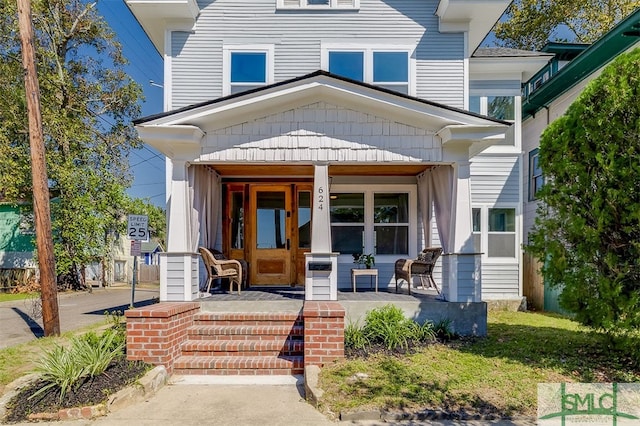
(371, 273)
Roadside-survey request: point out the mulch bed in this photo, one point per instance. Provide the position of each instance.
(96, 390)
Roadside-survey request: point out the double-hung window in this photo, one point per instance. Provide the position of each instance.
(390, 68)
(535, 174)
(318, 4)
(247, 67)
(494, 232)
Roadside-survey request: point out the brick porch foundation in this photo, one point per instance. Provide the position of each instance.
(323, 332)
(159, 334)
(155, 333)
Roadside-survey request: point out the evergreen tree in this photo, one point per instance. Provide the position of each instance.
(588, 228)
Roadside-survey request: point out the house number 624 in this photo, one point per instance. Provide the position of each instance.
(320, 197)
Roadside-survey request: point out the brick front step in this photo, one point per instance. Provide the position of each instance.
(239, 365)
(248, 318)
(248, 332)
(285, 347)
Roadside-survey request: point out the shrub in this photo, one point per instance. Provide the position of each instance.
(389, 327)
(355, 337)
(88, 356)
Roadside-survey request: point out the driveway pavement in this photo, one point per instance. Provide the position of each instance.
(21, 320)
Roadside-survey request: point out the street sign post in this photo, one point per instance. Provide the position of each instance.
(137, 231)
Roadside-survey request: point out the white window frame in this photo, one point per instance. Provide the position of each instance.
(368, 52)
(227, 50)
(369, 225)
(484, 104)
(484, 232)
(304, 5)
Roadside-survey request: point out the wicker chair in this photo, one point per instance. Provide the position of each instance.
(423, 266)
(230, 269)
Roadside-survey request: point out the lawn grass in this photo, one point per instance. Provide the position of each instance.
(497, 374)
(9, 297)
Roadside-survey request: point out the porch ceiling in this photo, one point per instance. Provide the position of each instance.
(283, 170)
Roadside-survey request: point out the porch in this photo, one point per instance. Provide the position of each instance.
(467, 318)
(273, 331)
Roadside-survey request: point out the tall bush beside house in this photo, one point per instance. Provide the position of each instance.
(588, 227)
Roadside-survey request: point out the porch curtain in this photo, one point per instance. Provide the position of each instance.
(442, 187)
(435, 187)
(425, 201)
(205, 191)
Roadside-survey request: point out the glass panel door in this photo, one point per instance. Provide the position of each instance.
(270, 235)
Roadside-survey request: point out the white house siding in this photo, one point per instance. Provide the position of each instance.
(175, 266)
(321, 132)
(495, 180)
(196, 69)
(298, 36)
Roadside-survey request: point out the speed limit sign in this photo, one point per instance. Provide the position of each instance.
(138, 227)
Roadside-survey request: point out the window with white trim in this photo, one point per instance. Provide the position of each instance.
(246, 68)
(380, 221)
(387, 67)
(494, 232)
(500, 107)
(535, 174)
(318, 4)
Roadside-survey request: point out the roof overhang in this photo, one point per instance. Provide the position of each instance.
(155, 16)
(520, 68)
(180, 132)
(475, 16)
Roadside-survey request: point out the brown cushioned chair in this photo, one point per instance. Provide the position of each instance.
(422, 266)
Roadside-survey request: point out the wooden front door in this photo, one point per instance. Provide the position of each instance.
(269, 226)
(270, 234)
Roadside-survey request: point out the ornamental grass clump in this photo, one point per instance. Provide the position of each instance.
(87, 356)
(388, 327)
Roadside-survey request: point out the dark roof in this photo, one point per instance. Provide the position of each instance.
(309, 76)
(504, 52)
(622, 37)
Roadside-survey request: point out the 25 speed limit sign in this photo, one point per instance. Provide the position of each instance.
(138, 227)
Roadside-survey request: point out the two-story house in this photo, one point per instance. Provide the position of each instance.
(417, 138)
(301, 132)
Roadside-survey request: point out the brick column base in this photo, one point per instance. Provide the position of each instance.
(323, 332)
(155, 332)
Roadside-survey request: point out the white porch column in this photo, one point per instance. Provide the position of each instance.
(461, 266)
(179, 265)
(321, 265)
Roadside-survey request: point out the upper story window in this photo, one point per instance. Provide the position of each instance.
(246, 68)
(318, 4)
(388, 68)
(535, 174)
(500, 107)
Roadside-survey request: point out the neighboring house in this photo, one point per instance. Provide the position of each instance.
(546, 97)
(382, 117)
(120, 269)
(16, 236)
(16, 245)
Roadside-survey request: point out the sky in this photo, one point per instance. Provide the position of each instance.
(147, 164)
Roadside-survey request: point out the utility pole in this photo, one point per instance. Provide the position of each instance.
(41, 208)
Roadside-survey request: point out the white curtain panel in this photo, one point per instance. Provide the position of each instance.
(442, 187)
(205, 190)
(425, 202)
